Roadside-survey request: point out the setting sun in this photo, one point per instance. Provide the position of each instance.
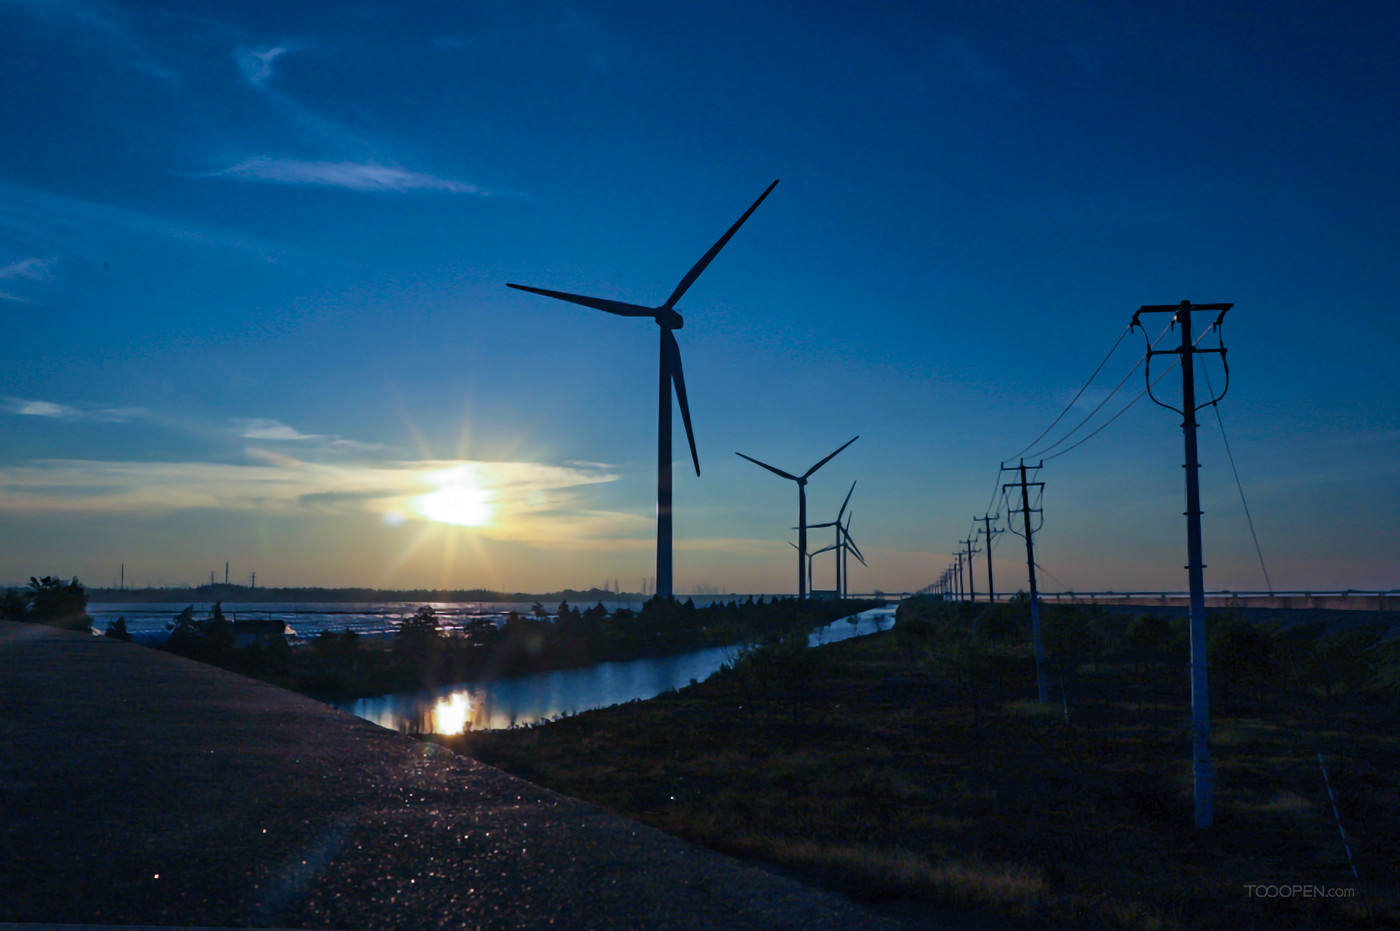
(459, 499)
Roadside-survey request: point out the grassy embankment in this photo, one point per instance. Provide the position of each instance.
(912, 767)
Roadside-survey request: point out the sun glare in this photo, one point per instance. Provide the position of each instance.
(459, 499)
(452, 714)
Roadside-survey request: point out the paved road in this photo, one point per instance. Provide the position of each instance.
(137, 787)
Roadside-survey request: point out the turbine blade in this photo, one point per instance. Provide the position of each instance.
(694, 273)
(598, 303)
(829, 458)
(851, 543)
(824, 549)
(768, 467)
(830, 523)
(673, 362)
(846, 502)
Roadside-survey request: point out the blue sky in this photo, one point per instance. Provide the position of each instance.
(253, 262)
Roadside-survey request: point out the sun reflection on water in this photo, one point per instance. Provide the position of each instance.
(452, 714)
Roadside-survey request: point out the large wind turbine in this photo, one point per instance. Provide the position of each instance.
(801, 508)
(667, 319)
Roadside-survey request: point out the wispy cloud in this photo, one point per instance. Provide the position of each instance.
(40, 409)
(256, 64)
(350, 168)
(28, 408)
(37, 269)
(532, 503)
(367, 176)
(106, 23)
(30, 217)
(30, 269)
(260, 428)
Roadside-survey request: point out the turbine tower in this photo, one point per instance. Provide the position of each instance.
(801, 508)
(667, 319)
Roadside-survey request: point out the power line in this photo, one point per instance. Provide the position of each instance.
(1141, 394)
(1238, 484)
(1081, 390)
(1109, 397)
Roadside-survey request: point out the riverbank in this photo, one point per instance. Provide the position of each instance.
(910, 770)
(423, 655)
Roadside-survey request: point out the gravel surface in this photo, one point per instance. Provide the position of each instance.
(139, 788)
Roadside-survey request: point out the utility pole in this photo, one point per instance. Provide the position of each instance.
(971, 583)
(123, 582)
(957, 575)
(987, 519)
(252, 580)
(1200, 691)
(225, 573)
(1030, 566)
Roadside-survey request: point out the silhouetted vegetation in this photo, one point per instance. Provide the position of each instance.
(422, 654)
(50, 601)
(915, 768)
(248, 594)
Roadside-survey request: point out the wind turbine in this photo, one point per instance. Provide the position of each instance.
(848, 546)
(801, 508)
(667, 319)
(811, 558)
(837, 546)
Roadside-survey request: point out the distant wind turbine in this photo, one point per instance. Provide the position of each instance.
(801, 508)
(667, 319)
(848, 547)
(811, 557)
(839, 546)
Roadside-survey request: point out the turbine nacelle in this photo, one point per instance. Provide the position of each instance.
(672, 376)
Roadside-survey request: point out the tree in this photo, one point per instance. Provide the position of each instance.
(210, 640)
(417, 636)
(57, 604)
(184, 632)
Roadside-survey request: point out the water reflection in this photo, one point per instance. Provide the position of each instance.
(504, 703)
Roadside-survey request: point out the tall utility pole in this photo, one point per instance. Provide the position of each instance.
(957, 574)
(225, 573)
(971, 583)
(987, 519)
(1200, 692)
(1026, 509)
